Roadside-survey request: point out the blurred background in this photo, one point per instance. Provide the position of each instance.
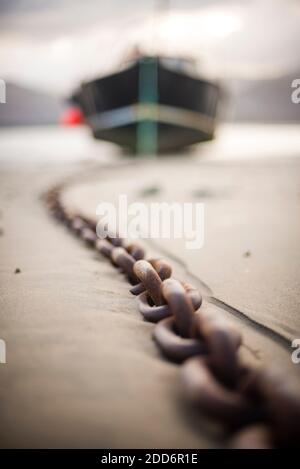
(250, 47)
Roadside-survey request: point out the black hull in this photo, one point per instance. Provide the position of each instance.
(150, 108)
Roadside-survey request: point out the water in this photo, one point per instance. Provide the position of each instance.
(52, 144)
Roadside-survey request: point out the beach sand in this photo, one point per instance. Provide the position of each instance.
(82, 369)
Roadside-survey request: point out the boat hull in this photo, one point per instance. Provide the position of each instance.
(148, 107)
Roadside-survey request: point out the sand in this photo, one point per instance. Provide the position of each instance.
(82, 369)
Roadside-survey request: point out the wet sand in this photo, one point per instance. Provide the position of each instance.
(82, 369)
(250, 258)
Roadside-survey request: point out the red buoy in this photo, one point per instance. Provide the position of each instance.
(72, 116)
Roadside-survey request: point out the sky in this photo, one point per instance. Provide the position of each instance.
(54, 44)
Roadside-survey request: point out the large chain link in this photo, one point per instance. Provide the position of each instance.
(256, 407)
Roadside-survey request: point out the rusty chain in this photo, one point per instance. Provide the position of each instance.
(257, 408)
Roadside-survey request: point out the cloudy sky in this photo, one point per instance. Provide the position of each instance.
(53, 44)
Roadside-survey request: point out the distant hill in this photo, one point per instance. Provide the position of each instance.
(25, 106)
(266, 100)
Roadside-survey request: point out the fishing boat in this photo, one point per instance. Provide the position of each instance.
(153, 104)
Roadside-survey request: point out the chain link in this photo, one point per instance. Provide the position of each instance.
(256, 407)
